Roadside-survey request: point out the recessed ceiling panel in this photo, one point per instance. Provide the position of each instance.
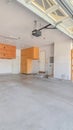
(57, 12)
(43, 4)
(71, 1)
(39, 2)
(67, 23)
(58, 15)
(70, 29)
(51, 8)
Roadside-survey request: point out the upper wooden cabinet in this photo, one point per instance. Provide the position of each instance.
(27, 55)
(31, 53)
(7, 51)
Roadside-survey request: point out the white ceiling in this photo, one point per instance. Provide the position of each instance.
(17, 23)
(58, 12)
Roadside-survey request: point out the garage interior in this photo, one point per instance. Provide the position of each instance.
(36, 65)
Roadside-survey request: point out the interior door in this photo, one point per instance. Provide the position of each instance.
(42, 61)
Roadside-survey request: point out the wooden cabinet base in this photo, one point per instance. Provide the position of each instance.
(26, 66)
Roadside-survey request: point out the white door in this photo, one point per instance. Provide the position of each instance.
(42, 61)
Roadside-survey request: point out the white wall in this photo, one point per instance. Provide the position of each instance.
(62, 59)
(5, 66)
(10, 65)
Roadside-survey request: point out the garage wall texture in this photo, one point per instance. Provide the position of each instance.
(10, 65)
(61, 50)
(62, 59)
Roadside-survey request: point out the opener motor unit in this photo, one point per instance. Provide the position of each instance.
(36, 33)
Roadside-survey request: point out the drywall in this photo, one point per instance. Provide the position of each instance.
(62, 59)
(10, 65)
(5, 66)
(61, 50)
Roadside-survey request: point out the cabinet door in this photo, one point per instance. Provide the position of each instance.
(10, 52)
(27, 55)
(31, 53)
(29, 66)
(1, 51)
(24, 66)
(7, 51)
(35, 53)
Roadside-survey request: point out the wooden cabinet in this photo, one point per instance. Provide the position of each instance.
(27, 55)
(31, 53)
(35, 53)
(7, 51)
(26, 66)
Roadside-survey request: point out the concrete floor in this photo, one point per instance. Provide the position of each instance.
(35, 104)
